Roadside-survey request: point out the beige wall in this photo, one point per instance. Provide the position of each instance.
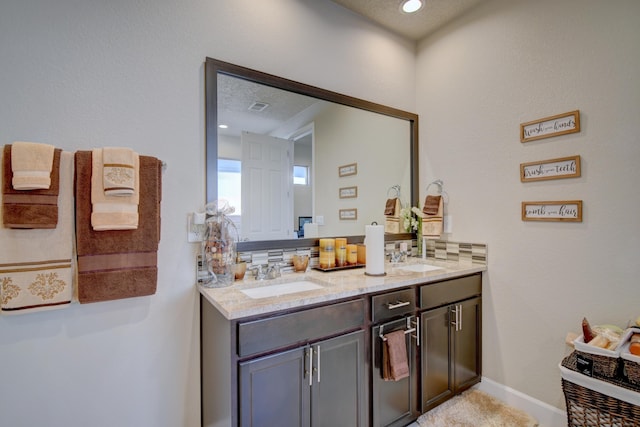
(95, 73)
(510, 62)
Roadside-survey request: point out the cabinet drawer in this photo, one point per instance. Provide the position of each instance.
(449, 291)
(280, 331)
(392, 304)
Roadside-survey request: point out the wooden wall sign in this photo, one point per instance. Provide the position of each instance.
(347, 170)
(563, 210)
(348, 192)
(560, 124)
(565, 167)
(348, 214)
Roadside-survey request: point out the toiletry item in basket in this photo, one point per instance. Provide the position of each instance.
(634, 346)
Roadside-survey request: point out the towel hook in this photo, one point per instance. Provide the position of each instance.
(438, 183)
(396, 188)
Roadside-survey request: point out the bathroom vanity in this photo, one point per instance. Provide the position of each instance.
(312, 358)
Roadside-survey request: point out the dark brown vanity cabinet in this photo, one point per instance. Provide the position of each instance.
(450, 322)
(316, 385)
(321, 365)
(299, 368)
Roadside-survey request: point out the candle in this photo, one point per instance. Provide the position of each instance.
(341, 252)
(327, 253)
(352, 254)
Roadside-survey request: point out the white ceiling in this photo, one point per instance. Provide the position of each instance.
(433, 15)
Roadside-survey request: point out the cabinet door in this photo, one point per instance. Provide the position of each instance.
(338, 392)
(394, 403)
(467, 340)
(436, 355)
(274, 390)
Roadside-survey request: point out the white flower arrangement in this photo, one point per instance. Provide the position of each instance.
(409, 222)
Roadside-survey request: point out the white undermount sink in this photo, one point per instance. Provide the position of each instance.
(266, 291)
(419, 268)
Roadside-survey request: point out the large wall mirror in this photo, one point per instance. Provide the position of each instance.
(284, 153)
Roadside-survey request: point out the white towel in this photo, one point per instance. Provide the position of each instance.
(31, 164)
(111, 212)
(37, 265)
(119, 171)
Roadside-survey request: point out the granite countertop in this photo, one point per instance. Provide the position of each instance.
(335, 285)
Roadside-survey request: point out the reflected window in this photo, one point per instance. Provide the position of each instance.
(230, 182)
(301, 175)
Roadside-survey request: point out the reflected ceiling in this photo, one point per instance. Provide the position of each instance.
(237, 96)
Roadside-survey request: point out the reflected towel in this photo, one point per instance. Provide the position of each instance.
(395, 365)
(111, 212)
(32, 208)
(31, 164)
(36, 266)
(120, 171)
(432, 220)
(117, 264)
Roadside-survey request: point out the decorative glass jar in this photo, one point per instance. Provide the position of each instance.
(219, 245)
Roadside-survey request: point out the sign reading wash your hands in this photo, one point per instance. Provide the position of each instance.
(550, 126)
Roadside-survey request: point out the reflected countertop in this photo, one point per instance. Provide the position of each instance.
(335, 285)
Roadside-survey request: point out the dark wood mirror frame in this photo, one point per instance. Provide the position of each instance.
(213, 67)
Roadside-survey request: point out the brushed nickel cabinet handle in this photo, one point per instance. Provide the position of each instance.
(318, 361)
(310, 354)
(397, 304)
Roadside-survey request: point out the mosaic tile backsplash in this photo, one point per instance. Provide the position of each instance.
(464, 253)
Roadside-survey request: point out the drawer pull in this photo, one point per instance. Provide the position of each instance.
(397, 304)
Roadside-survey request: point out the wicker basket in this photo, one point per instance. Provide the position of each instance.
(630, 362)
(589, 408)
(603, 366)
(606, 363)
(631, 371)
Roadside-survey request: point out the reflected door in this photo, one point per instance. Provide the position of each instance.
(267, 187)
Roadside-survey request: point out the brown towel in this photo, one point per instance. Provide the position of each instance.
(29, 208)
(116, 264)
(390, 207)
(395, 365)
(431, 205)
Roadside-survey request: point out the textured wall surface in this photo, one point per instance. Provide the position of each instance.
(510, 62)
(92, 73)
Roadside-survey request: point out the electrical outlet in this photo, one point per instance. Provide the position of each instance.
(195, 232)
(320, 219)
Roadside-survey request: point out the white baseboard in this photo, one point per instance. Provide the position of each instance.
(547, 415)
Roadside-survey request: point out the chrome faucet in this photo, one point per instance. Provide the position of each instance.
(266, 271)
(259, 272)
(273, 271)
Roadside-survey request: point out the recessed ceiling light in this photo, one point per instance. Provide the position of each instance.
(410, 6)
(223, 126)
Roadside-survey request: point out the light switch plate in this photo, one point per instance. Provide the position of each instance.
(320, 219)
(195, 232)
